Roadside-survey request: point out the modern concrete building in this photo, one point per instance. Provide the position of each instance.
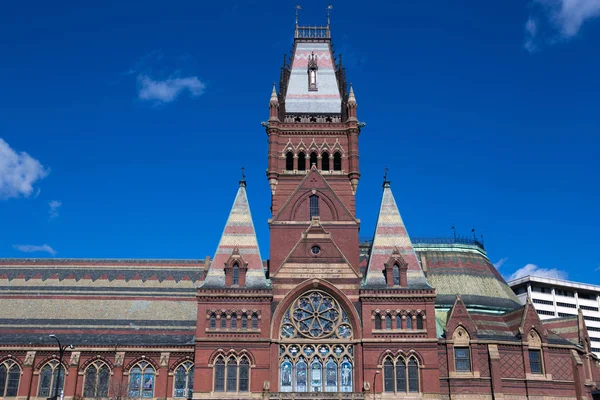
(557, 298)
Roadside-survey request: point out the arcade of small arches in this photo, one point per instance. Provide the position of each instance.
(323, 161)
(399, 320)
(233, 320)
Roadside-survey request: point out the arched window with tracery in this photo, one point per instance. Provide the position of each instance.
(400, 375)
(49, 379)
(289, 161)
(325, 161)
(316, 353)
(231, 374)
(183, 386)
(10, 374)
(95, 383)
(301, 161)
(141, 380)
(337, 161)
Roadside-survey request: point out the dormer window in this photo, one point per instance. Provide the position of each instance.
(312, 72)
(236, 274)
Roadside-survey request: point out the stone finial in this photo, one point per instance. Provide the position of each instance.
(274, 99)
(351, 98)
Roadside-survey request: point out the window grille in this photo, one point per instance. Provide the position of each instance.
(462, 359)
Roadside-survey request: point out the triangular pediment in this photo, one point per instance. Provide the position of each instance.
(332, 208)
(316, 256)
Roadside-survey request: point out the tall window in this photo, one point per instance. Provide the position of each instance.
(388, 321)
(234, 321)
(313, 159)
(301, 161)
(223, 321)
(377, 321)
(244, 321)
(322, 360)
(10, 373)
(396, 271)
(419, 321)
(337, 161)
(400, 375)
(535, 361)
(213, 321)
(462, 359)
(254, 321)
(141, 381)
(314, 206)
(49, 379)
(236, 274)
(325, 161)
(232, 374)
(289, 161)
(409, 324)
(184, 380)
(96, 380)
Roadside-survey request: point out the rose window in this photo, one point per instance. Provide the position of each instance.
(315, 315)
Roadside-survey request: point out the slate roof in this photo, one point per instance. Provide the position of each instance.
(238, 234)
(390, 234)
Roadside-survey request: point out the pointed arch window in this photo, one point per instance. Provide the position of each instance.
(232, 374)
(388, 321)
(289, 161)
(49, 379)
(183, 386)
(325, 161)
(534, 342)
(401, 375)
(337, 161)
(141, 381)
(254, 321)
(244, 321)
(301, 161)
(398, 321)
(95, 383)
(396, 271)
(313, 159)
(234, 321)
(223, 321)
(235, 274)
(10, 374)
(212, 324)
(419, 321)
(409, 322)
(314, 206)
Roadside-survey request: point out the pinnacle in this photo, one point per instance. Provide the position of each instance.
(351, 98)
(274, 95)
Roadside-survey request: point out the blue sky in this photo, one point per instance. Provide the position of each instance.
(124, 126)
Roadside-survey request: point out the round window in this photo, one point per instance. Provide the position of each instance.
(315, 250)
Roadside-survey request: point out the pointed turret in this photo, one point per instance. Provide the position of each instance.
(238, 246)
(390, 234)
(352, 105)
(274, 105)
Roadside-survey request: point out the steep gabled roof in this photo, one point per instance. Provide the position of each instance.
(391, 233)
(238, 234)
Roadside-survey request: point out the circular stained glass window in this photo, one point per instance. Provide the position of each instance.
(315, 250)
(316, 315)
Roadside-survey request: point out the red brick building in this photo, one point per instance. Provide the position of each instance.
(327, 317)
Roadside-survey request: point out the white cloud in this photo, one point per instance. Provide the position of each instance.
(54, 206)
(18, 172)
(500, 262)
(532, 269)
(28, 248)
(530, 32)
(564, 17)
(168, 90)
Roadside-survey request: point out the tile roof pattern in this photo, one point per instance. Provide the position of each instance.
(391, 234)
(326, 99)
(468, 271)
(238, 234)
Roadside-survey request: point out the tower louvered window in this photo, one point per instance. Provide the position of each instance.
(337, 161)
(314, 206)
(289, 161)
(313, 159)
(325, 161)
(301, 162)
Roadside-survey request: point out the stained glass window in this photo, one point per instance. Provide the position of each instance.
(232, 375)
(244, 379)
(285, 376)
(141, 380)
(413, 376)
(219, 375)
(49, 379)
(184, 380)
(388, 375)
(400, 376)
(10, 373)
(96, 380)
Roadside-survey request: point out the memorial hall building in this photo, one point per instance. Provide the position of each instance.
(323, 316)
